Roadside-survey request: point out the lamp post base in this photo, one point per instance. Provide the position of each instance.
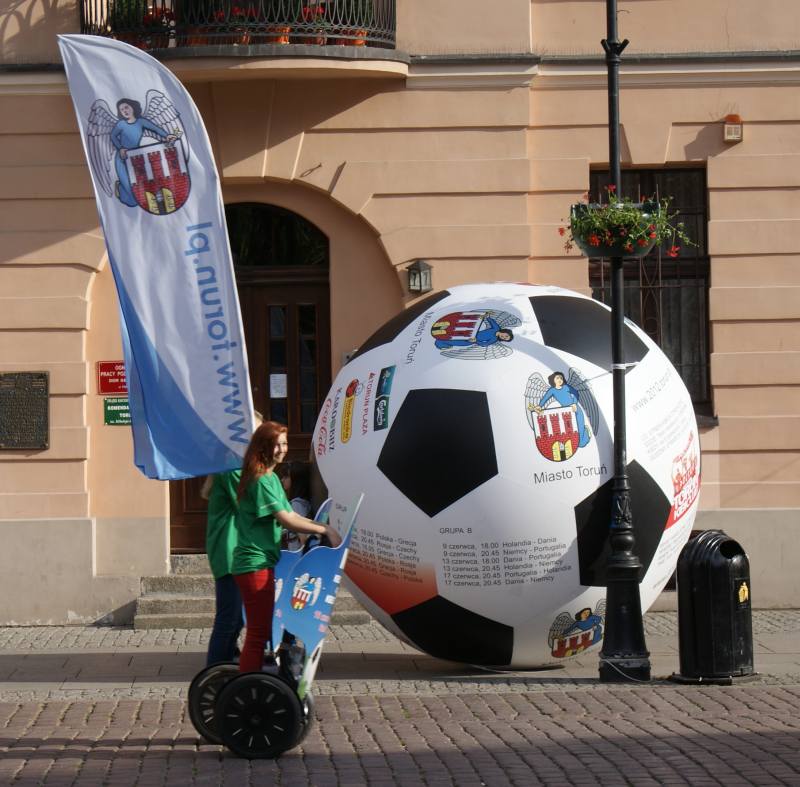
(624, 656)
(624, 669)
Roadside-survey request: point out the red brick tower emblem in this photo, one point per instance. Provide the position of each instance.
(159, 177)
(556, 432)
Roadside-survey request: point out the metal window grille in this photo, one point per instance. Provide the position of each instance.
(666, 297)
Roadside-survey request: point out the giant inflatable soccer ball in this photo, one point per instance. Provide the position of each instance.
(479, 425)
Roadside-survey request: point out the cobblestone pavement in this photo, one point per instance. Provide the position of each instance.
(105, 706)
(104, 637)
(617, 736)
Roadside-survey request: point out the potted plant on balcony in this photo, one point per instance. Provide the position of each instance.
(268, 25)
(621, 227)
(158, 23)
(126, 20)
(363, 17)
(192, 23)
(238, 19)
(315, 25)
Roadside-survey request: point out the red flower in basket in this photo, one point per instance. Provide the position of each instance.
(314, 13)
(620, 224)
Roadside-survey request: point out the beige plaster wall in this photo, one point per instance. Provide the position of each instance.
(459, 26)
(47, 259)
(769, 537)
(117, 487)
(751, 458)
(390, 172)
(671, 115)
(357, 263)
(570, 27)
(468, 170)
(28, 29)
(79, 523)
(59, 314)
(48, 575)
(131, 512)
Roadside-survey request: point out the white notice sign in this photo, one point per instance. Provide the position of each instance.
(277, 386)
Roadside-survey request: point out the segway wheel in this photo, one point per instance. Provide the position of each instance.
(308, 718)
(203, 693)
(259, 716)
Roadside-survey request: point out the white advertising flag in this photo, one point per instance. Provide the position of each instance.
(161, 209)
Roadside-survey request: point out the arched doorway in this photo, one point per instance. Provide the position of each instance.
(282, 272)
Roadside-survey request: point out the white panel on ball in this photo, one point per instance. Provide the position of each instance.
(479, 425)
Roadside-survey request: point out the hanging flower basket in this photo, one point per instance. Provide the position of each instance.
(614, 239)
(623, 228)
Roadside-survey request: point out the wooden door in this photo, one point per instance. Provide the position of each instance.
(187, 525)
(288, 345)
(281, 265)
(287, 330)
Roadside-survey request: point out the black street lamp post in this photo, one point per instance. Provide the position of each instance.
(624, 656)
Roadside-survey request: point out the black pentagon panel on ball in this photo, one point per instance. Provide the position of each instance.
(389, 331)
(650, 508)
(447, 631)
(440, 447)
(582, 327)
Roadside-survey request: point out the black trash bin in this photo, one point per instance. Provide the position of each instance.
(715, 626)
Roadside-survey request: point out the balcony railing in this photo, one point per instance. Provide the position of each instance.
(161, 24)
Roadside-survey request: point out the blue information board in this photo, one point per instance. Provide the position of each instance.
(306, 586)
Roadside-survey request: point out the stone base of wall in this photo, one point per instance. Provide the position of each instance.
(771, 540)
(62, 571)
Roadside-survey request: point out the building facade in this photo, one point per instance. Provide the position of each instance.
(461, 141)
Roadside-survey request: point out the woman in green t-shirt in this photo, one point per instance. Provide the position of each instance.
(220, 491)
(220, 543)
(263, 511)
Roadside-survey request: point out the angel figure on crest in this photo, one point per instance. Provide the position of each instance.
(560, 390)
(111, 139)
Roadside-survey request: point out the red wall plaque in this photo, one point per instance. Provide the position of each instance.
(111, 378)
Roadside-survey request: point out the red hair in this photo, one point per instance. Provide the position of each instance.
(259, 457)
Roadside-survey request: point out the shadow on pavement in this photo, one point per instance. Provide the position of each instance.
(98, 667)
(78, 668)
(690, 736)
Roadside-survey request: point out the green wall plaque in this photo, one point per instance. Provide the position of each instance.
(116, 411)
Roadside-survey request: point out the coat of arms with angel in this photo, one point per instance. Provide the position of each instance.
(140, 157)
(477, 334)
(570, 634)
(563, 393)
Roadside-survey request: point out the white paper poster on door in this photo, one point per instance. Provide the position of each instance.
(277, 386)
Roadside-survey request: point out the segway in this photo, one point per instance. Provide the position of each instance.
(260, 715)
